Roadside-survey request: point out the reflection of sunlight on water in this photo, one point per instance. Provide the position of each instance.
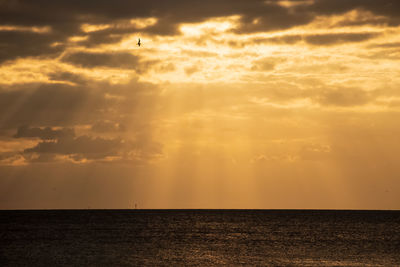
(319, 262)
(202, 237)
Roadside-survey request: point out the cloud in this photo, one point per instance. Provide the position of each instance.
(94, 148)
(110, 60)
(120, 113)
(288, 39)
(62, 145)
(65, 19)
(315, 39)
(271, 17)
(58, 104)
(166, 67)
(85, 146)
(107, 126)
(66, 76)
(344, 97)
(338, 38)
(44, 104)
(393, 45)
(114, 33)
(388, 8)
(67, 16)
(20, 44)
(191, 69)
(279, 92)
(266, 64)
(46, 133)
(315, 152)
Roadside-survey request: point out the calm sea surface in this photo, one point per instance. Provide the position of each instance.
(199, 237)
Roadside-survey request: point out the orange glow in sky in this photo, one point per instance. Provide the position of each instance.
(243, 104)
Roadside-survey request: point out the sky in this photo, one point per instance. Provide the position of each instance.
(226, 104)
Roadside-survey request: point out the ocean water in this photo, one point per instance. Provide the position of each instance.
(199, 238)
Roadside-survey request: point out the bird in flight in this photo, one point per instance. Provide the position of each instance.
(139, 43)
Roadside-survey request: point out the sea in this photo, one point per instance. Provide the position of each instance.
(199, 238)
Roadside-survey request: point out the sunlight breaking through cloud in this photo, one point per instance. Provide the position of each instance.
(221, 97)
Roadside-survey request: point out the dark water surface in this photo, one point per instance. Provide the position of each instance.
(199, 237)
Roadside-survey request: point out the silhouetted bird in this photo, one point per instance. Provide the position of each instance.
(138, 43)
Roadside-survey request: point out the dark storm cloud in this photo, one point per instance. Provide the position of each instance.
(110, 60)
(46, 133)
